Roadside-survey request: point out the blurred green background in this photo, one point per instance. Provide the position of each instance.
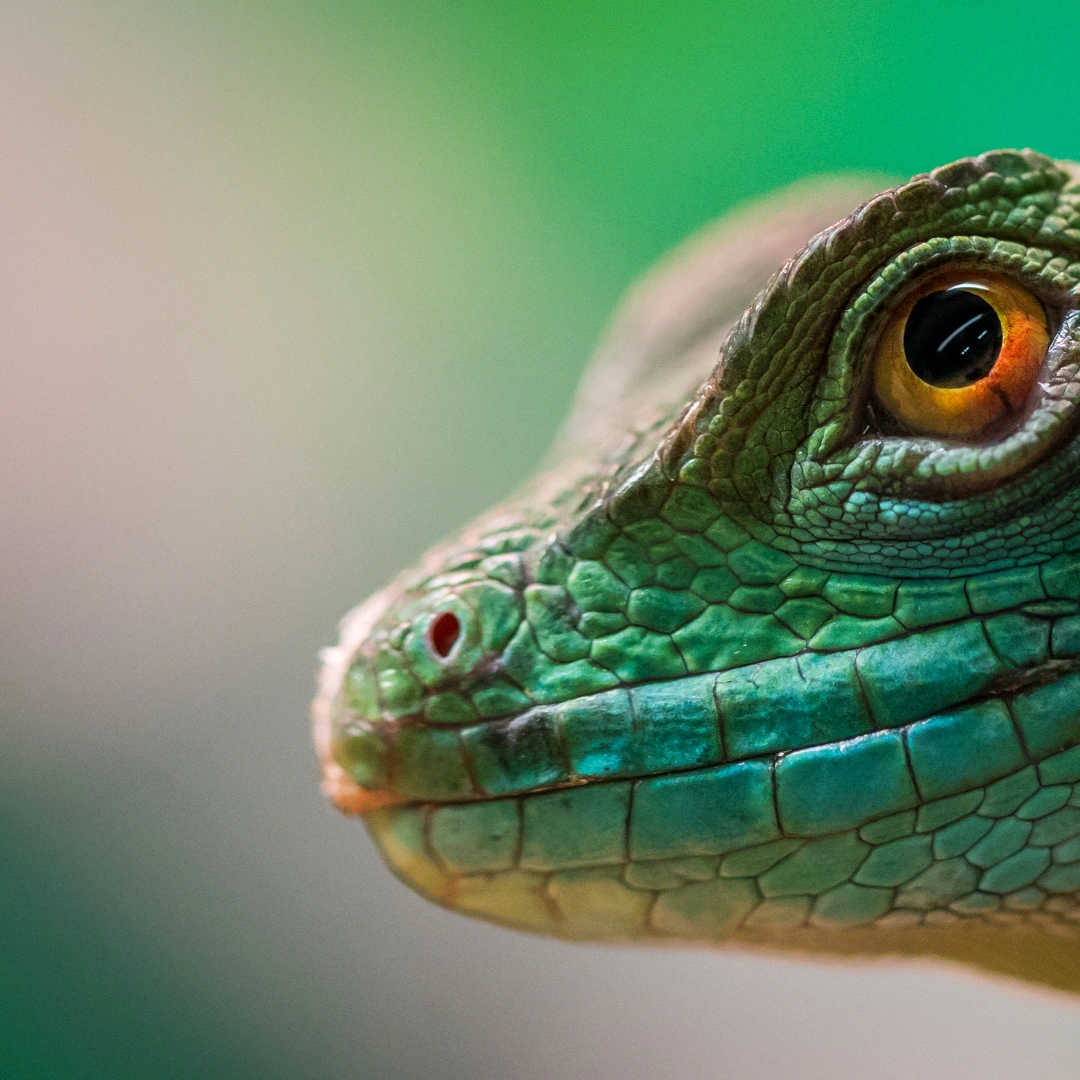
(288, 291)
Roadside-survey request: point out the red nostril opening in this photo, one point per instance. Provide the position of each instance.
(444, 632)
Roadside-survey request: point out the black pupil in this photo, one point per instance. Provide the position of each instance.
(952, 338)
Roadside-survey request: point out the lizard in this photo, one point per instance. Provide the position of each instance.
(781, 648)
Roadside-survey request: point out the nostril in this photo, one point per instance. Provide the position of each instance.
(444, 632)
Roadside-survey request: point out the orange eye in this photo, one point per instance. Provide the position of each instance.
(961, 354)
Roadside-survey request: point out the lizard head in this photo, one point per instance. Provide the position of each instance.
(785, 649)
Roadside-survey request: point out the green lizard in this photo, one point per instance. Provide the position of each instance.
(781, 650)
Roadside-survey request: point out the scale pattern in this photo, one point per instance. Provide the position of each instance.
(754, 673)
(804, 656)
(1004, 853)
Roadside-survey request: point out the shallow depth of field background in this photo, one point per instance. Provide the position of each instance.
(288, 290)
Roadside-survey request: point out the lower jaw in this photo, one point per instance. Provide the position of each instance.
(1037, 945)
(865, 862)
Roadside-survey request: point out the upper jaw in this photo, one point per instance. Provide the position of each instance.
(685, 724)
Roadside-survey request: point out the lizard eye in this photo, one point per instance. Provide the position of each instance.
(960, 356)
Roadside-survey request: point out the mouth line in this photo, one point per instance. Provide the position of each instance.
(1044, 674)
(636, 765)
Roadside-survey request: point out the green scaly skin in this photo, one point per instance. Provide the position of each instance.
(740, 669)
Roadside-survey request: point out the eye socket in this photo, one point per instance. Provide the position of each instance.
(961, 354)
(443, 633)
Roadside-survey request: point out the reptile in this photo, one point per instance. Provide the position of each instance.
(781, 648)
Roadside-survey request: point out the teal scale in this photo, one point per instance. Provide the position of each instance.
(785, 647)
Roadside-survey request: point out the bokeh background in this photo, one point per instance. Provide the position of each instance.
(288, 290)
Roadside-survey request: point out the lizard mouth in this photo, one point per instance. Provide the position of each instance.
(768, 803)
(771, 715)
(958, 818)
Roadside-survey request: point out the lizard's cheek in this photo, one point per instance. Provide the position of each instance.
(959, 357)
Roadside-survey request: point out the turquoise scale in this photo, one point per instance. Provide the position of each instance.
(714, 858)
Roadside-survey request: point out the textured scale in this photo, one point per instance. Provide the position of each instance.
(735, 668)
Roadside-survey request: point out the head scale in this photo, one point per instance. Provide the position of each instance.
(736, 666)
